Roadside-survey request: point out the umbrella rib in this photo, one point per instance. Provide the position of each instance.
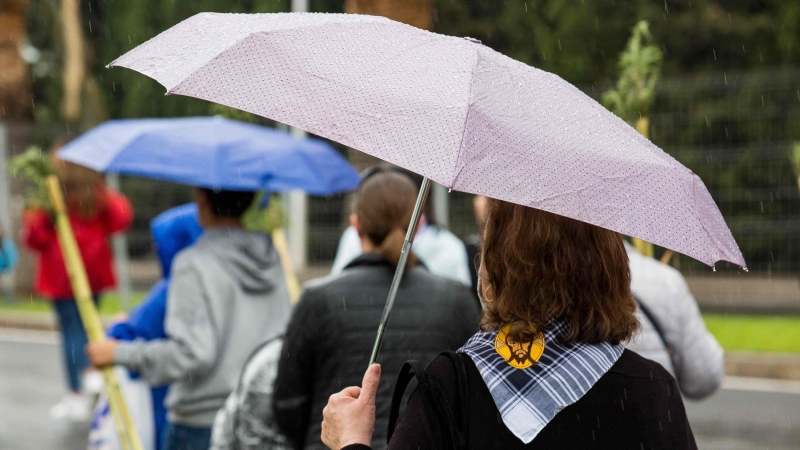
(466, 120)
(722, 253)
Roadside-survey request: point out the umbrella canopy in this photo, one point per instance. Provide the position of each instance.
(213, 152)
(447, 108)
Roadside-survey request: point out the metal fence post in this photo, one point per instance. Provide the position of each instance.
(441, 205)
(296, 202)
(6, 280)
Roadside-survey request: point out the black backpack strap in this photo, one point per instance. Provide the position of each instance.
(410, 369)
(656, 325)
(673, 355)
(450, 430)
(462, 394)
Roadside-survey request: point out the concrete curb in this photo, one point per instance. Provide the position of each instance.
(31, 321)
(763, 365)
(34, 321)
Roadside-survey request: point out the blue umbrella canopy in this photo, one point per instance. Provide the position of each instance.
(213, 152)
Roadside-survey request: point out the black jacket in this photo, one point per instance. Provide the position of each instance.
(330, 336)
(636, 405)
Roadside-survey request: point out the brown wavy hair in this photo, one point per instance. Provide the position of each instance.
(538, 267)
(384, 206)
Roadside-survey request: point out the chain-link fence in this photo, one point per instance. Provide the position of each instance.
(734, 129)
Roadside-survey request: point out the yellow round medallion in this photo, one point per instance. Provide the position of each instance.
(519, 355)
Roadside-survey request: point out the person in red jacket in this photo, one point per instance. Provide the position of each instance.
(95, 213)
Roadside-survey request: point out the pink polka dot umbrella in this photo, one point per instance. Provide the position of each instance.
(448, 108)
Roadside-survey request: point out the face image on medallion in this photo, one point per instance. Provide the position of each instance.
(520, 351)
(519, 354)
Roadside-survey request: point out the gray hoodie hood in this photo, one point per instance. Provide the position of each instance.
(245, 256)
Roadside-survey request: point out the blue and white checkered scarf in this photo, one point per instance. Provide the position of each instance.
(528, 399)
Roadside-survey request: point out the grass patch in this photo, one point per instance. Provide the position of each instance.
(109, 304)
(756, 333)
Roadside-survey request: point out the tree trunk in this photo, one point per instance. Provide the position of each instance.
(418, 13)
(16, 102)
(74, 60)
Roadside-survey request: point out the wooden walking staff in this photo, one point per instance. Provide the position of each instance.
(282, 247)
(128, 437)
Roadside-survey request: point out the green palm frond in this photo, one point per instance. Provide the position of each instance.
(266, 218)
(640, 67)
(34, 166)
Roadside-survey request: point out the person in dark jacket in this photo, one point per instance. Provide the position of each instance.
(331, 333)
(548, 370)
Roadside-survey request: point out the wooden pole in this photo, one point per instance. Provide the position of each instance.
(128, 437)
(282, 246)
(644, 247)
(418, 13)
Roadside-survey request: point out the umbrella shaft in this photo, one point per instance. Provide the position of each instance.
(401, 266)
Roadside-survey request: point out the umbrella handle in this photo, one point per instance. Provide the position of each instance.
(401, 266)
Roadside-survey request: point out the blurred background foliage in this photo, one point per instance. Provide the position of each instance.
(727, 103)
(578, 40)
(34, 166)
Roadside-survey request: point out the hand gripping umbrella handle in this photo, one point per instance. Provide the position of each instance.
(401, 266)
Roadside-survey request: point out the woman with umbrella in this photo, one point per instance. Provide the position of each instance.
(549, 360)
(566, 176)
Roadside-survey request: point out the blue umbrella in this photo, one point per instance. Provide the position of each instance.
(213, 152)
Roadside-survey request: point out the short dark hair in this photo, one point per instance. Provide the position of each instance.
(539, 267)
(229, 203)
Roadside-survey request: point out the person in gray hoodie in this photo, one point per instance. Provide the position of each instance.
(227, 296)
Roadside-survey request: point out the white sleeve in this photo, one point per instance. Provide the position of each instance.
(698, 359)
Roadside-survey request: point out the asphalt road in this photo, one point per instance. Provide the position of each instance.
(747, 414)
(31, 381)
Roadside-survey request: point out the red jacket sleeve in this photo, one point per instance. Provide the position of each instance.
(118, 213)
(38, 233)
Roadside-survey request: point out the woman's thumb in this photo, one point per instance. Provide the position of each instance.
(369, 386)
